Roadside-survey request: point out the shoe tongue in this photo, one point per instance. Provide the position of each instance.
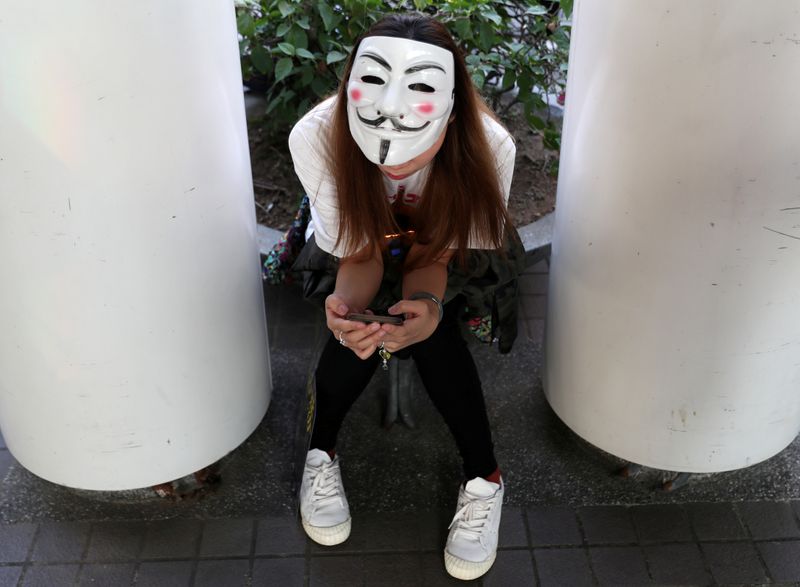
(316, 457)
(480, 487)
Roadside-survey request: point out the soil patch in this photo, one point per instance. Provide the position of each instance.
(278, 191)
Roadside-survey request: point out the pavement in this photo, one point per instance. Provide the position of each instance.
(569, 518)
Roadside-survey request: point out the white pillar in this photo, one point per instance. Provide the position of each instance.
(133, 342)
(673, 335)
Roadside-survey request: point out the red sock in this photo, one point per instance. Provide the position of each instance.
(494, 477)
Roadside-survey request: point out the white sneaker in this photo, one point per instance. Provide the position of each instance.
(323, 505)
(472, 543)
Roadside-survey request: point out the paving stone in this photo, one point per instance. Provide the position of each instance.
(512, 528)
(715, 521)
(280, 535)
(796, 508)
(769, 520)
(734, 563)
(533, 329)
(378, 533)
(15, 542)
(512, 567)
(107, 575)
(164, 574)
(540, 267)
(553, 526)
(433, 529)
(435, 575)
(286, 572)
(619, 565)
(661, 523)
(6, 462)
(335, 571)
(9, 576)
(229, 573)
(392, 570)
(171, 539)
(533, 306)
(116, 541)
(782, 560)
(533, 283)
(567, 567)
(676, 564)
(227, 538)
(49, 575)
(59, 542)
(607, 525)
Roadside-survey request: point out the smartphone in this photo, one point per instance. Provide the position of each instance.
(375, 318)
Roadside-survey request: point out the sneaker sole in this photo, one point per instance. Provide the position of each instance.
(466, 570)
(328, 536)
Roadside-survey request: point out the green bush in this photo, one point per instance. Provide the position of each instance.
(294, 50)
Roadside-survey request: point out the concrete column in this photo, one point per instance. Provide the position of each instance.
(673, 335)
(133, 342)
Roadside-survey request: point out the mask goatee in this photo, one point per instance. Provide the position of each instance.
(384, 150)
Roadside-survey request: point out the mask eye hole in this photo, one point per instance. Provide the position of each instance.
(421, 88)
(372, 79)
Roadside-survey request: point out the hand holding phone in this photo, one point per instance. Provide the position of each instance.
(375, 318)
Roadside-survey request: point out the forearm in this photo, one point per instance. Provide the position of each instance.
(357, 282)
(431, 278)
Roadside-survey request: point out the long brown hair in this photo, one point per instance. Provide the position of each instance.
(462, 195)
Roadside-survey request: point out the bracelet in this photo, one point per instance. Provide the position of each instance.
(424, 295)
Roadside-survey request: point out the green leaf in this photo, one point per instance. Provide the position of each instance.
(525, 84)
(303, 23)
(566, 6)
(486, 36)
(286, 9)
(536, 10)
(307, 75)
(535, 121)
(283, 28)
(326, 14)
(473, 60)
(478, 79)
(283, 68)
(298, 37)
(246, 24)
(335, 57)
(304, 53)
(509, 79)
(274, 103)
(261, 59)
(463, 29)
(320, 86)
(287, 48)
(491, 15)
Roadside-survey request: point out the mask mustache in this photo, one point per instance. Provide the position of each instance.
(376, 122)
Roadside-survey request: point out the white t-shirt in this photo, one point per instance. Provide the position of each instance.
(307, 146)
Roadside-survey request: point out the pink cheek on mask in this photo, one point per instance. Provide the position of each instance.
(355, 95)
(425, 108)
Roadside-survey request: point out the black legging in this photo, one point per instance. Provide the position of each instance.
(450, 377)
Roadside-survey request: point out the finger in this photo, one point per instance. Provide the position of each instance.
(336, 305)
(415, 307)
(363, 332)
(335, 324)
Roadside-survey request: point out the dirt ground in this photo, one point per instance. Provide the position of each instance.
(278, 192)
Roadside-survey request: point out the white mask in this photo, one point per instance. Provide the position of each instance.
(399, 97)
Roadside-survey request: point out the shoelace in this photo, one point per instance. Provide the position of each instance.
(472, 517)
(325, 485)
